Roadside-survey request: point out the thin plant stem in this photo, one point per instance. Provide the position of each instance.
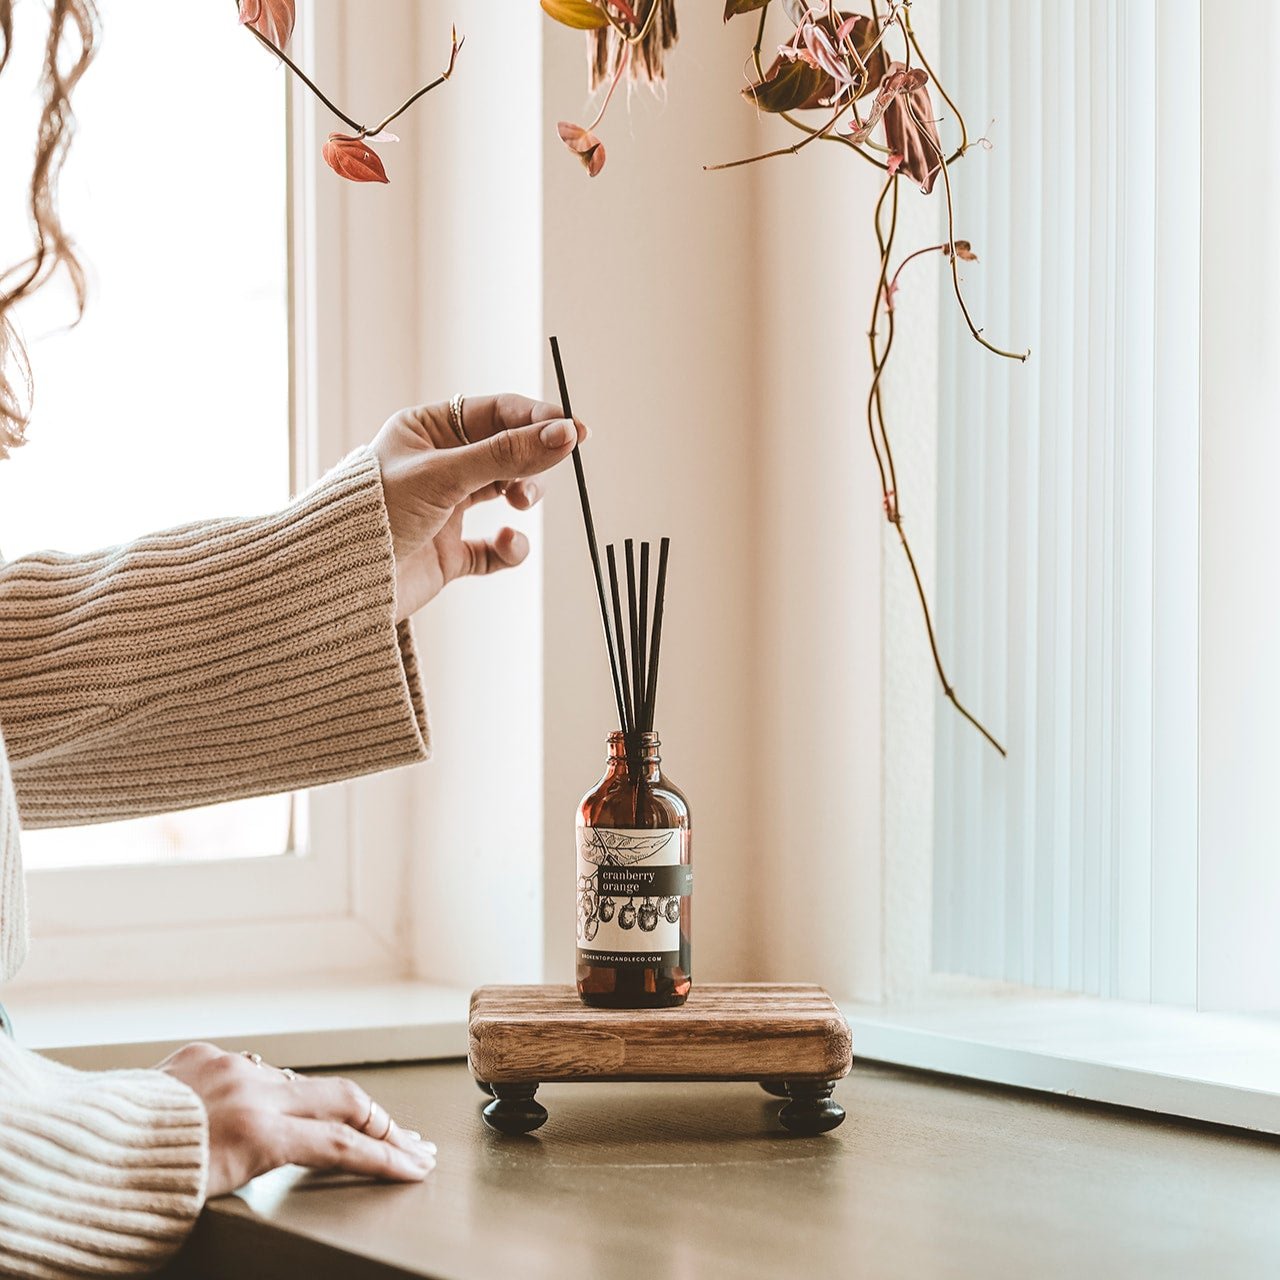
(951, 242)
(890, 187)
(947, 689)
(454, 49)
(360, 130)
(623, 63)
(889, 484)
(814, 136)
(306, 79)
(946, 97)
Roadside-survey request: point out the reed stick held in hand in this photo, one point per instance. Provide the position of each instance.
(587, 521)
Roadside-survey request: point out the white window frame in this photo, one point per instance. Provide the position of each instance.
(328, 908)
(363, 950)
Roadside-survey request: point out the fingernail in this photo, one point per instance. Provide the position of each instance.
(413, 1164)
(532, 492)
(414, 1134)
(555, 435)
(582, 426)
(426, 1146)
(519, 545)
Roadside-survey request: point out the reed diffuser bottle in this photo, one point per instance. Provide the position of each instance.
(635, 881)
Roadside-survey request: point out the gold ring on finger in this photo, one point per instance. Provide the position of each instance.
(255, 1058)
(376, 1113)
(455, 418)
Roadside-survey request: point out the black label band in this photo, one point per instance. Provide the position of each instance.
(645, 882)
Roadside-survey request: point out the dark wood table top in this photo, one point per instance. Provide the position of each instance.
(928, 1177)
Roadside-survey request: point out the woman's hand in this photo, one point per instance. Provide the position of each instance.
(430, 478)
(261, 1118)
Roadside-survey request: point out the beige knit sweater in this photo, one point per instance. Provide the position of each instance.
(215, 661)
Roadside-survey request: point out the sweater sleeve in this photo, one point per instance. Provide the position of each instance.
(212, 662)
(100, 1173)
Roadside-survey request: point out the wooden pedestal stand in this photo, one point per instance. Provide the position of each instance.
(791, 1039)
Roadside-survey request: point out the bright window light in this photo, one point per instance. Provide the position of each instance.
(170, 401)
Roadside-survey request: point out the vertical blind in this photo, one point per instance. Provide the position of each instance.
(1068, 516)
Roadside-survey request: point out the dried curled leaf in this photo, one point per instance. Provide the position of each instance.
(910, 128)
(581, 15)
(646, 60)
(272, 19)
(584, 144)
(964, 251)
(352, 158)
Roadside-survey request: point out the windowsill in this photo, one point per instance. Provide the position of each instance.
(1223, 1068)
(311, 1024)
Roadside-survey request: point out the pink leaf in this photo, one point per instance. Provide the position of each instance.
(895, 163)
(584, 144)
(352, 158)
(272, 19)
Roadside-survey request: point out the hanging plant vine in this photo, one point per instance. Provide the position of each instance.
(858, 80)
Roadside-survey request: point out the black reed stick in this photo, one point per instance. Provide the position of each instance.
(629, 719)
(643, 637)
(651, 690)
(637, 677)
(567, 409)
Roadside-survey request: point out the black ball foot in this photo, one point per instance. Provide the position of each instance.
(485, 1087)
(774, 1088)
(812, 1109)
(514, 1109)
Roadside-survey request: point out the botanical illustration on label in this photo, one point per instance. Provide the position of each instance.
(630, 883)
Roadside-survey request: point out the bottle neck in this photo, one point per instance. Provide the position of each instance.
(635, 755)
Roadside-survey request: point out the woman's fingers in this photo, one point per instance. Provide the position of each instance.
(521, 494)
(485, 416)
(333, 1145)
(512, 454)
(482, 417)
(329, 1098)
(505, 551)
(336, 1098)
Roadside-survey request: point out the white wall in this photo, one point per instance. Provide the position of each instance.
(718, 352)
(650, 284)
(818, 600)
(478, 272)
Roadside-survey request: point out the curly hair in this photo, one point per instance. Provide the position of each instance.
(69, 49)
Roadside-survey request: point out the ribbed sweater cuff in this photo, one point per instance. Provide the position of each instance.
(100, 1174)
(220, 660)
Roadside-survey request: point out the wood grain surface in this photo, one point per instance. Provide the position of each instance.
(744, 1031)
(928, 1179)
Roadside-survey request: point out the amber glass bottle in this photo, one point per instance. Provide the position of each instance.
(635, 881)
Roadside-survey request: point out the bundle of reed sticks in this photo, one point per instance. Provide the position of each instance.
(634, 669)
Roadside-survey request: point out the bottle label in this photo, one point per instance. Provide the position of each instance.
(630, 883)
